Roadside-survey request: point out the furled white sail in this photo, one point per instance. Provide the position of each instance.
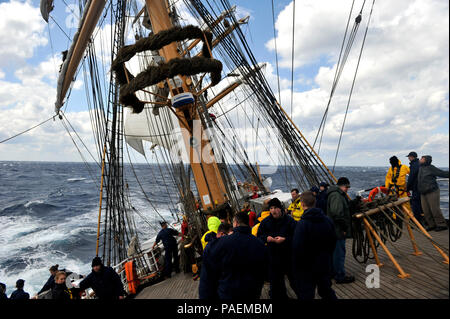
(93, 11)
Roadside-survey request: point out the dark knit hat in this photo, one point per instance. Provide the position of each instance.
(275, 202)
(324, 184)
(96, 261)
(343, 181)
(413, 154)
(314, 189)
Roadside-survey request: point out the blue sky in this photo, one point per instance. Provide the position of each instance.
(400, 101)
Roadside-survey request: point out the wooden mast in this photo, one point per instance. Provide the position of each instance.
(206, 173)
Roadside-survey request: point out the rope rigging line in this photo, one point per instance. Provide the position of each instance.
(335, 80)
(276, 52)
(353, 83)
(27, 130)
(292, 57)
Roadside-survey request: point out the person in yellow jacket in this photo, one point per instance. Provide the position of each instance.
(213, 225)
(264, 213)
(396, 177)
(295, 209)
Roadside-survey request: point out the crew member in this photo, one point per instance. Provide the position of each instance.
(339, 212)
(213, 225)
(60, 290)
(51, 280)
(251, 214)
(322, 197)
(19, 293)
(166, 235)
(104, 281)
(411, 186)
(295, 209)
(277, 231)
(232, 265)
(396, 177)
(430, 194)
(312, 249)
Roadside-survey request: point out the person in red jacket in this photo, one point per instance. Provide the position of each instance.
(251, 214)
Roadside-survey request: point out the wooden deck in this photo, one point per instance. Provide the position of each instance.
(429, 276)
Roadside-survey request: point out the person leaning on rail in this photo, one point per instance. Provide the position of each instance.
(104, 281)
(430, 194)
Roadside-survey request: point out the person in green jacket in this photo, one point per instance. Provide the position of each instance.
(339, 212)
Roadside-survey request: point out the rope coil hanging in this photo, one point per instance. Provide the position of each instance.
(155, 74)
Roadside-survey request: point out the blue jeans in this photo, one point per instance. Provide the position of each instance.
(339, 260)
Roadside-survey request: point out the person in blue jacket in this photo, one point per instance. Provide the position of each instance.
(312, 251)
(233, 265)
(51, 280)
(167, 236)
(411, 186)
(19, 293)
(322, 196)
(277, 231)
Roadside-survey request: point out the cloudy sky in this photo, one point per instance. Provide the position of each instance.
(400, 100)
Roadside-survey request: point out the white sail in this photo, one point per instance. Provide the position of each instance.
(162, 130)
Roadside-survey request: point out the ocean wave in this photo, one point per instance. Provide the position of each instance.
(38, 207)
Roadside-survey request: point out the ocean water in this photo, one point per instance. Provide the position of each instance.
(49, 212)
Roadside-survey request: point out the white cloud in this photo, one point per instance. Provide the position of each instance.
(400, 100)
(21, 32)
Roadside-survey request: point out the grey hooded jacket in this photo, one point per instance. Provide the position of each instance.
(427, 176)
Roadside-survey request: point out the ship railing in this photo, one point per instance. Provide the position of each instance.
(147, 266)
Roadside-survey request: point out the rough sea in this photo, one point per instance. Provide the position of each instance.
(49, 212)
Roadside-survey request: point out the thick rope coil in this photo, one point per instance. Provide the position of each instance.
(155, 74)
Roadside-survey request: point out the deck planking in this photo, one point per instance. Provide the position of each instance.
(429, 276)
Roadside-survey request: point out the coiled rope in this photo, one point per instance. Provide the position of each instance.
(155, 74)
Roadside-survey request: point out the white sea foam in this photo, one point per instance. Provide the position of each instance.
(29, 239)
(75, 179)
(32, 202)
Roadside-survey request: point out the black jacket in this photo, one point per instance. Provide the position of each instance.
(48, 285)
(166, 235)
(19, 294)
(313, 243)
(60, 292)
(427, 176)
(233, 267)
(284, 227)
(106, 283)
(322, 200)
(339, 212)
(414, 166)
